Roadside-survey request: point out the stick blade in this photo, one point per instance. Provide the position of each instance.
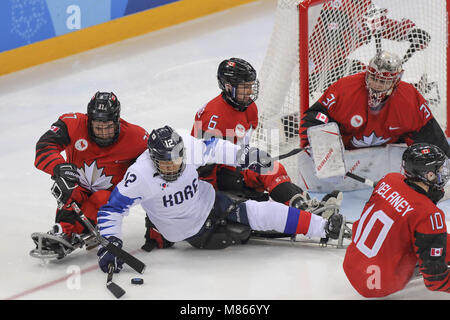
(115, 289)
(133, 262)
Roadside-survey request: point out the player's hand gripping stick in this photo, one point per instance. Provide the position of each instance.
(127, 258)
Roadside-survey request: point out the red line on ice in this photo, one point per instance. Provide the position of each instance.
(54, 282)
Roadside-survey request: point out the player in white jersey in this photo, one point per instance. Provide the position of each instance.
(165, 182)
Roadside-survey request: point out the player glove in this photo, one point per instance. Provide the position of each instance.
(105, 257)
(66, 179)
(254, 159)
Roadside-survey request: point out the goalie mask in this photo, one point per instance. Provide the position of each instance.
(166, 149)
(238, 82)
(104, 118)
(427, 163)
(382, 76)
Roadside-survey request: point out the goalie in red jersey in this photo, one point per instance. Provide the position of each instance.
(402, 227)
(233, 115)
(99, 147)
(375, 108)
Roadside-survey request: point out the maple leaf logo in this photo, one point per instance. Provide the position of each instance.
(93, 178)
(369, 141)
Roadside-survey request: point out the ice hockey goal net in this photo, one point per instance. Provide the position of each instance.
(315, 42)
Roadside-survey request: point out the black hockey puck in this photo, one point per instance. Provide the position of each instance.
(137, 281)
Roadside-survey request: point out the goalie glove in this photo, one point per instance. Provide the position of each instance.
(254, 159)
(66, 179)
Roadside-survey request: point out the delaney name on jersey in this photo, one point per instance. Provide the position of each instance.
(394, 199)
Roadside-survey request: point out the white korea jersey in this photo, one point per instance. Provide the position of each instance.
(178, 208)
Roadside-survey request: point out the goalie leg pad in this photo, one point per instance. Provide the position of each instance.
(327, 150)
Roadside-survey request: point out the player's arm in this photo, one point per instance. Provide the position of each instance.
(427, 129)
(214, 150)
(406, 30)
(431, 246)
(317, 114)
(128, 193)
(50, 145)
(396, 30)
(418, 39)
(221, 151)
(431, 132)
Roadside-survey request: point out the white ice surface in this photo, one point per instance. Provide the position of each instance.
(160, 78)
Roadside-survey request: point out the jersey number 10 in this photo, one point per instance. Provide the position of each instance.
(363, 233)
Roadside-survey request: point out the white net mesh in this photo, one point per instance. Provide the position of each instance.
(343, 36)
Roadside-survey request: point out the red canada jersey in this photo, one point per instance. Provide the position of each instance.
(220, 119)
(399, 228)
(405, 112)
(100, 168)
(343, 21)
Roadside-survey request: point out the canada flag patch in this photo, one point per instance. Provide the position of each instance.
(436, 252)
(425, 151)
(54, 129)
(322, 117)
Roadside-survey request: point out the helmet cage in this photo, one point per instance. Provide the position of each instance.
(443, 174)
(169, 170)
(235, 92)
(380, 85)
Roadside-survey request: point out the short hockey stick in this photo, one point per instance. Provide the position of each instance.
(373, 184)
(115, 289)
(288, 154)
(361, 179)
(133, 262)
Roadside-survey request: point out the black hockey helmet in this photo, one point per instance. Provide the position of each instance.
(234, 74)
(427, 163)
(104, 106)
(166, 149)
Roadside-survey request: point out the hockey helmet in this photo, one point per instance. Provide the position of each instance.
(104, 118)
(427, 163)
(166, 150)
(238, 82)
(382, 76)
